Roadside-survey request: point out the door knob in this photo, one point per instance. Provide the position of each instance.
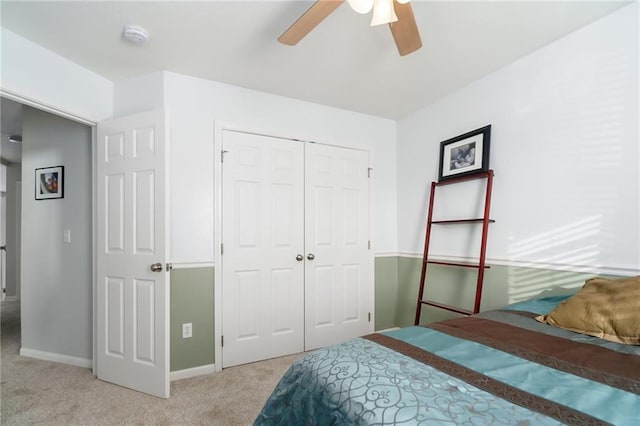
(311, 256)
(299, 258)
(156, 267)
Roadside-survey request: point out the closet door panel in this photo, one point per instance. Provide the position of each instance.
(338, 270)
(262, 233)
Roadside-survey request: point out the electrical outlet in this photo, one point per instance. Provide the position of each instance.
(187, 330)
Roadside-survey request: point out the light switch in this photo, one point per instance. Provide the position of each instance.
(67, 236)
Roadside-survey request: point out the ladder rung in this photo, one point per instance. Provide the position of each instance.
(482, 175)
(464, 265)
(444, 222)
(447, 307)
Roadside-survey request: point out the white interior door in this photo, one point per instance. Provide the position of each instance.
(132, 299)
(338, 277)
(263, 243)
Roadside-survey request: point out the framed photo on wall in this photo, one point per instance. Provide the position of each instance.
(49, 183)
(465, 154)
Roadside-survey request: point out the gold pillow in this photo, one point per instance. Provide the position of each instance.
(609, 309)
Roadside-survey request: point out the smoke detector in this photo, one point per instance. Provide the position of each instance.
(135, 34)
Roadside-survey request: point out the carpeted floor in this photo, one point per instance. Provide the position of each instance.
(41, 392)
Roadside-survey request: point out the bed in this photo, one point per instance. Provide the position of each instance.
(499, 367)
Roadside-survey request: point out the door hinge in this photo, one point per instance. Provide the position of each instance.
(222, 153)
(222, 341)
(369, 244)
(369, 316)
(369, 170)
(221, 249)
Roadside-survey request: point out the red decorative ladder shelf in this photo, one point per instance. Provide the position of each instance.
(480, 266)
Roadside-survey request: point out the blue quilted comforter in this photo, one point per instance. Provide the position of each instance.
(496, 368)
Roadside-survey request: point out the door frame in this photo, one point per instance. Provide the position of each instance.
(219, 128)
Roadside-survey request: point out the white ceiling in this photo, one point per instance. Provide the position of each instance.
(343, 63)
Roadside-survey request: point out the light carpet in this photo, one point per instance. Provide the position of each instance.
(41, 392)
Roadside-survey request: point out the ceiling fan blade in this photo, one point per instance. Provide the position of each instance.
(405, 31)
(308, 21)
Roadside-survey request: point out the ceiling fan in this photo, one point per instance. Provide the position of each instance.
(397, 13)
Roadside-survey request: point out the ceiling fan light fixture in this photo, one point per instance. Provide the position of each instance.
(361, 6)
(383, 12)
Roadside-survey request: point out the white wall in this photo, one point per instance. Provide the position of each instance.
(138, 94)
(56, 277)
(38, 74)
(193, 106)
(564, 149)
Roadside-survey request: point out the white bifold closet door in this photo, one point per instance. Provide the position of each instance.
(339, 279)
(262, 233)
(296, 266)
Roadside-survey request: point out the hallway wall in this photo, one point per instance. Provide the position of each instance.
(56, 276)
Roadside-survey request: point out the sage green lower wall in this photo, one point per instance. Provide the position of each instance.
(386, 292)
(456, 286)
(191, 302)
(396, 293)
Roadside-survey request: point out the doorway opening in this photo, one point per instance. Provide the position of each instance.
(48, 305)
(10, 220)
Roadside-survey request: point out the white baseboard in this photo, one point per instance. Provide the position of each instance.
(192, 372)
(50, 356)
(11, 299)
